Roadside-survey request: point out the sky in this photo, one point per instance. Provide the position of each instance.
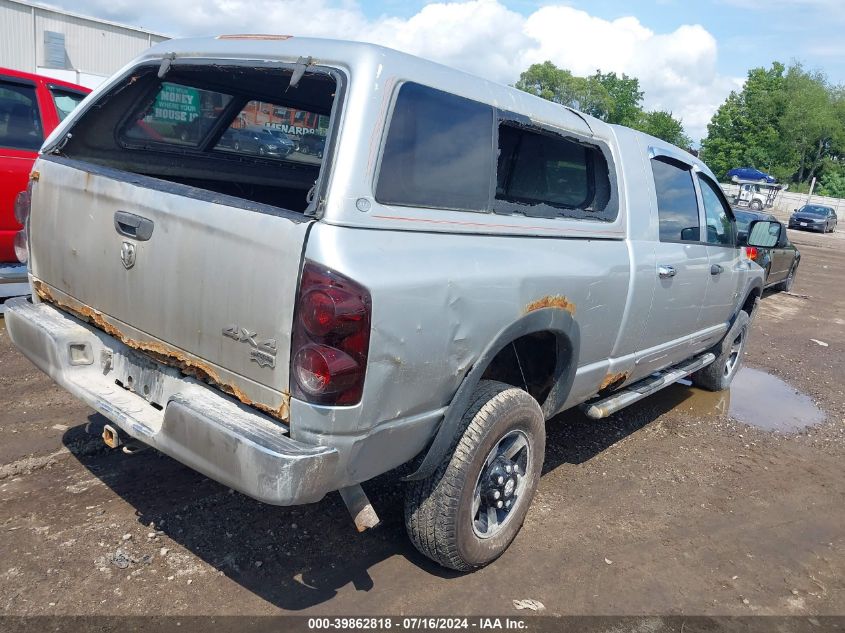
(687, 54)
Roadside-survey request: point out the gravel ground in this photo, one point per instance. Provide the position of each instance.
(669, 507)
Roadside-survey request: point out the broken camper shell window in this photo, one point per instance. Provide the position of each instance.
(544, 174)
(439, 153)
(179, 129)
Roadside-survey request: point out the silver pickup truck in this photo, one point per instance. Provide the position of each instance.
(458, 263)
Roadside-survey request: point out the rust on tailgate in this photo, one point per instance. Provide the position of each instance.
(163, 354)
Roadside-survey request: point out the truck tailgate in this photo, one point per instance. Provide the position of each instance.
(211, 290)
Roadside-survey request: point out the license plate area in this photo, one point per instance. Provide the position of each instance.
(141, 375)
(803, 224)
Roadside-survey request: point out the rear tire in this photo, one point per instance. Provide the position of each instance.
(719, 374)
(451, 516)
(786, 284)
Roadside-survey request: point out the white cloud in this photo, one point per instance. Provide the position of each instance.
(677, 70)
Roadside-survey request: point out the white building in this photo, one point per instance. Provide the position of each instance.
(65, 45)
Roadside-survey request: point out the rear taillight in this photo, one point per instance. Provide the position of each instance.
(21, 246)
(331, 337)
(751, 252)
(23, 204)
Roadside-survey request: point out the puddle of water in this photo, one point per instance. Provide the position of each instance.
(758, 399)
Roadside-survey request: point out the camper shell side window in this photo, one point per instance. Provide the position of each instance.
(443, 151)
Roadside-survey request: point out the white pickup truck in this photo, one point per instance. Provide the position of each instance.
(461, 263)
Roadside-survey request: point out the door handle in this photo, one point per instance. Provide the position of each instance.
(716, 269)
(134, 226)
(665, 272)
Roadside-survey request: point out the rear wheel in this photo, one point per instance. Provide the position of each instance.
(718, 375)
(466, 514)
(786, 284)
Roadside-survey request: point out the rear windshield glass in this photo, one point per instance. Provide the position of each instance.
(273, 131)
(241, 131)
(65, 101)
(20, 123)
(814, 210)
(179, 115)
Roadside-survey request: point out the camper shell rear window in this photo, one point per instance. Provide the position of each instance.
(242, 130)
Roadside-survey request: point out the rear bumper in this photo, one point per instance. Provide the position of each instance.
(197, 425)
(13, 282)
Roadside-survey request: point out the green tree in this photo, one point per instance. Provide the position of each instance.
(607, 96)
(786, 121)
(744, 130)
(832, 182)
(624, 97)
(559, 85)
(663, 125)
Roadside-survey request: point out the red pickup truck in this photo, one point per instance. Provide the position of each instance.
(30, 107)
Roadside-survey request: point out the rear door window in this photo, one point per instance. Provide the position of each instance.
(20, 119)
(438, 152)
(677, 205)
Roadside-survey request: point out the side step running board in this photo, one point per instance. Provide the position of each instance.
(598, 409)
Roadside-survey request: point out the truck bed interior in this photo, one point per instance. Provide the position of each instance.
(198, 125)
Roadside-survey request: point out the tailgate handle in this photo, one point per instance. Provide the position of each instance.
(133, 226)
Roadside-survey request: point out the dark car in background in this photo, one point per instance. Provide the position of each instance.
(262, 142)
(312, 144)
(780, 262)
(285, 140)
(814, 217)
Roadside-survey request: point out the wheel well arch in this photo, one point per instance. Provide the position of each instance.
(534, 330)
(530, 362)
(751, 299)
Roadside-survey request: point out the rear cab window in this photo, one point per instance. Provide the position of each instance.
(442, 151)
(20, 118)
(240, 131)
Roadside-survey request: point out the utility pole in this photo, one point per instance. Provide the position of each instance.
(812, 186)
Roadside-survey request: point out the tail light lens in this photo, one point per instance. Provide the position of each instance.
(751, 252)
(331, 337)
(23, 204)
(21, 246)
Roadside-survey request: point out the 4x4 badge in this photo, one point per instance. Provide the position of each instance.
(127, 255)
(262, 352)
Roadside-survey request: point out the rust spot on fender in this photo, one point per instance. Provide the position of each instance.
(164, 354)
(612, 381)
(551, 301)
